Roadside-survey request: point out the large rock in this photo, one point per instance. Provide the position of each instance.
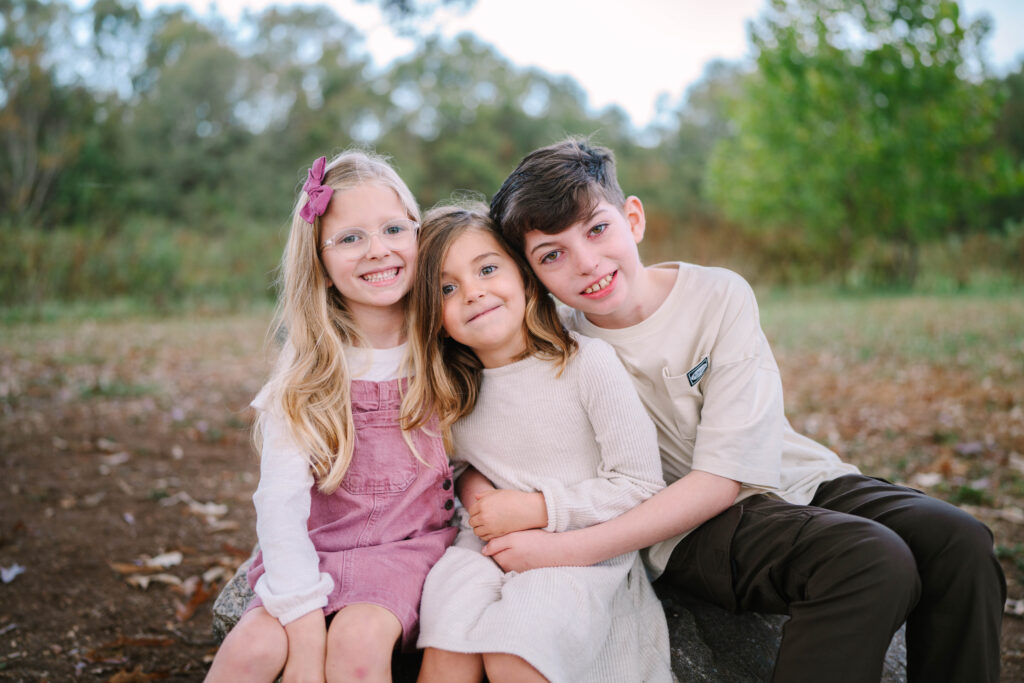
(708, 643)
(711, 644)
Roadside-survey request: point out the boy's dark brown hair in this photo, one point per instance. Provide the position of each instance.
(554, 187)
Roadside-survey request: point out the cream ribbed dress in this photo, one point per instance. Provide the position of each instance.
(585, 442)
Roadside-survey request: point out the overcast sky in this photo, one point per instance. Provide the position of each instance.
(626, 53)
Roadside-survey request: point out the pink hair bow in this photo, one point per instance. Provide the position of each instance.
(319, 194)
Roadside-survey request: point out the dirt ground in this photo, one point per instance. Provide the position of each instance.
(128, 474)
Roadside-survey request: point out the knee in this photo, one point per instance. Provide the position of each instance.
(966, 538)
(967, 554)
(256, 648)
(875, 561)
(360, 643)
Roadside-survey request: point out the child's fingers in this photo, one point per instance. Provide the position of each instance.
(493, 547)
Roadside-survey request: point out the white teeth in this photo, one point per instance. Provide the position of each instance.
(381, 275)
(601, 284)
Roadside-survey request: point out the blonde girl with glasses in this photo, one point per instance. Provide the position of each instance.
(352, 510)
(544, 415)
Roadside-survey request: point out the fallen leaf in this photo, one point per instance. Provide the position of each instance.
(116, 459)
(130, 568)
(94, 499)
(164, 560)
(208, 509)
(1012, 514)
(926, 480)
(136, 675)
(215, 574)
(142, 580)
(8, 574)
(199, 596)
(235, 550)
(106, 445)
(145, 641)
(148, 565)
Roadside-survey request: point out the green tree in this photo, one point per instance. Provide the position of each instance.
(41, 116)
(670, 178)
(310, 96)
(1008, 206)
(462, 116)
(860, 128)
(184, 128)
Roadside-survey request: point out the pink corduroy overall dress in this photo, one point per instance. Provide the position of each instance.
(388, 523)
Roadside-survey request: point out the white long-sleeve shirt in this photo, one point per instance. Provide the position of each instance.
(293, 584)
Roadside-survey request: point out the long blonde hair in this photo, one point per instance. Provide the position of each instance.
(311, 382)
(446, 374)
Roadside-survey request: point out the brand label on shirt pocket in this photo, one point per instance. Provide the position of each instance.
(698, 371)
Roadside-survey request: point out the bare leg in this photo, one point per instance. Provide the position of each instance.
(443, 666)
(506, 668)
(255, 650)
(360, 641)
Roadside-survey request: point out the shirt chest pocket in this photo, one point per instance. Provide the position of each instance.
(687, 401)
(381, 459)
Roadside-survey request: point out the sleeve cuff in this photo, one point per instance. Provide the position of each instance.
(289, 607)
(558, 516)
(757, 477)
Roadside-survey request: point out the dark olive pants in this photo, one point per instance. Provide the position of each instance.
(849, 569)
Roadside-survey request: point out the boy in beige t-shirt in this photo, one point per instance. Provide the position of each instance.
(756, 517)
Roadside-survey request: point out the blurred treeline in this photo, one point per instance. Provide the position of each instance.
(156, 156)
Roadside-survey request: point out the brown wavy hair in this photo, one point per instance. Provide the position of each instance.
(446, 374)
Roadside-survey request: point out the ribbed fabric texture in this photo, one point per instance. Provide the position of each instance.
(585, 441)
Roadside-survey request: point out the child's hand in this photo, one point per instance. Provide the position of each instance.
(533, 549)
(307, 649)
(471, 483)
(501, 511)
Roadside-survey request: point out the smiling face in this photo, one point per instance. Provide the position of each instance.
(376, 281)
(593, 265)
(484, 301)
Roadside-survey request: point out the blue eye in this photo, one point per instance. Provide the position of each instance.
(394, 230)
(349, 238)
(447, 290)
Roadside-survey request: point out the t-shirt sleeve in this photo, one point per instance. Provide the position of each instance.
(292, 584)
(630, 467)
(740, 433)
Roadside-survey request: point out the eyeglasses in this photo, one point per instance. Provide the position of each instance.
(355, 242)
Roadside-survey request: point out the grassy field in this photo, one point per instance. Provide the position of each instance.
(126, 438)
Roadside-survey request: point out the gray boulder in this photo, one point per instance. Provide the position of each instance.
(711, 644)
(708, 643)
